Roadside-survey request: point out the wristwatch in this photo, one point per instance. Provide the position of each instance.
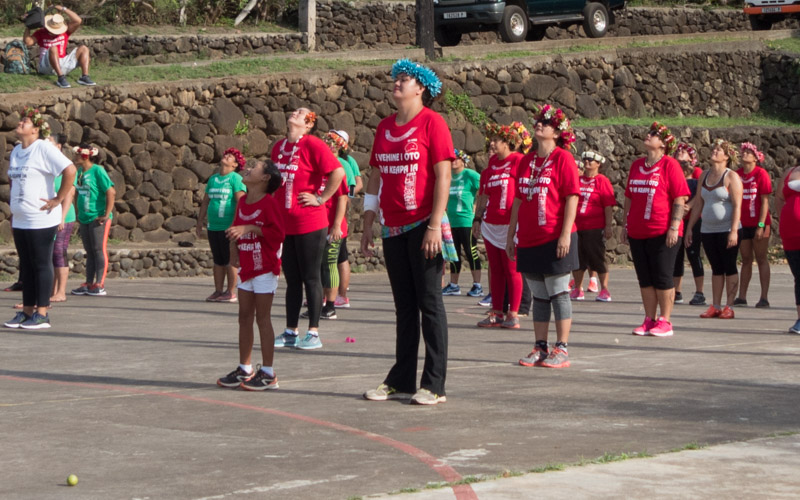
(762, 225)
(319, 200)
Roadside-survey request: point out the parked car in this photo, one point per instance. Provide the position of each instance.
(518, 20)
(764, 13)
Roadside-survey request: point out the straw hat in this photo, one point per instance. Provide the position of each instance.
(54, 23)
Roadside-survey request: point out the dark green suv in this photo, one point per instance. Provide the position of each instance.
(519, 20)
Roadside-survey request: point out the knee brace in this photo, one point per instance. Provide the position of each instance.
(541, 310)
(562, 306)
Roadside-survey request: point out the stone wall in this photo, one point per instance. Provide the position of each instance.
(160, 143)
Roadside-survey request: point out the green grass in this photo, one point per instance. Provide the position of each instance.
(755, 120)
(787, 44)
(694, 445)
(15, 31)
(548, 468)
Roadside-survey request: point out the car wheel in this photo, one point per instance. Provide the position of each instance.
(595, 20)
(514, 27)
(760, 23)
(447, 37)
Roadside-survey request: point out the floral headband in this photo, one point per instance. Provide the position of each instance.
(516, 134)
(663, 133)
(462, 155)
(749, 146)
(548, 115)
(37, 119)
(337, 139)
(424, 75)
(729, 149)
(238, 155)
(86, 152)
(311, 117)
(591, 155)
(690, 149)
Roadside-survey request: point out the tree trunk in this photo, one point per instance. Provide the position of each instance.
(425, 27)
(245, 12)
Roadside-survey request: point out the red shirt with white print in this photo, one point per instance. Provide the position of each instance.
(333, 202)
(596, 195)
(543, 185)
(754, 185)
(405, 157)
(47, 40)
(303, 165)
(652, 191)
(259, 254)
(498, 183)
(697, 172)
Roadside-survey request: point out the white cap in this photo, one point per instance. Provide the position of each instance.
(344, 135)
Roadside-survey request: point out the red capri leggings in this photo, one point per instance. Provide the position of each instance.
(504, 274)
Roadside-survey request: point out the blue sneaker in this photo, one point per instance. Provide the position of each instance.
(20, 318)
(310, 341)
(451, 289)
(794, 329)
(36, 322)
(486, 301)
(476, 290)
(287, 339)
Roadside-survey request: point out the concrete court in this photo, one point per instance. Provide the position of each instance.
(121, 392)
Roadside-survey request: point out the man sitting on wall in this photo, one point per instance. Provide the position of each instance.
(52, 41)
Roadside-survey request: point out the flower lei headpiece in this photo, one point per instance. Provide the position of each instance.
(548, 115)
(729, 149)
(749, 146)
(462, 155)
(240, 160)
(689, 148)
(591, 155)
(37, 119)
(515, 134)
(424, 75)
(86, 152)
(663, 133)
(337, 139)
(310, 118)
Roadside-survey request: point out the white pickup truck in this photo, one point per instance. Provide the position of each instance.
(763, 13)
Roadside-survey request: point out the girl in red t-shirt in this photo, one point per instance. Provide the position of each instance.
(655, 194)
(256, 237)
(304, 162)
(756, 222)
(593, 220)
(787, 203)
(411, 159)
(492, 215)
(545, 243)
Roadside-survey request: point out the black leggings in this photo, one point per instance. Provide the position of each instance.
(793, 258)
(95, 239)
(721, 258)
(35, 251)
(301, 261)
(467, 245)
(220, 247)
(654, 261)
(692, 253)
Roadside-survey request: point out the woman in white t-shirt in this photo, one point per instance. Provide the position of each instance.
(36, 214)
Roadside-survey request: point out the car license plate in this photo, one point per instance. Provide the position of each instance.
(455, 15)
(770, 10)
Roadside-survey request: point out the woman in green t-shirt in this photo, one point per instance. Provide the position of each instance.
(95, 203)
(223, 191)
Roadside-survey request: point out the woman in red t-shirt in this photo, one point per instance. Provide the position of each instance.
(787, 203)
(411, 159)
(655, 194)
(756, 222)
(593, 220)
(492, 214)
(304, 162)
(685, 151)
(545, 242)
(256, 237)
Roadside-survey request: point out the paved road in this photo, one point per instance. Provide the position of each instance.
(121, 392)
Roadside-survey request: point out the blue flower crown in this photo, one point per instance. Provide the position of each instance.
(424, 75)
(462, 155)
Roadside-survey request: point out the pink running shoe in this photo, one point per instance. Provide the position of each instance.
(342, 302)
(603, 296)
(645, 327)
(571, 283)
(576, 294)
(594, 285)
(662, 328)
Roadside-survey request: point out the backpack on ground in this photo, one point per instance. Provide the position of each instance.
(16, 59)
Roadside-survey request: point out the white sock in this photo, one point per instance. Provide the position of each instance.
(316, 334)
(247, 368)
(289, 331)
(454, 284)
(475, 283)
(268, 370)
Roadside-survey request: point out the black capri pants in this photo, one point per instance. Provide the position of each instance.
(793, 258)
(592, 250)
(467, 246)
(654, 261)
(693, 253)
(220, 247)
(344, 255)
(721, 258)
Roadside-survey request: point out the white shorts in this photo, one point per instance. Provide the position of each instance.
(67, 63)
(263, 283)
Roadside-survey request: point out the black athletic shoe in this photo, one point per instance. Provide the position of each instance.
(235, 378)
(698, 300)
(328, 313)
(16, 287)
(678, 298)
(62, 82)
(261, 382)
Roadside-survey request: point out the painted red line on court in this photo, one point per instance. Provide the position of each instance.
(461, 491)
